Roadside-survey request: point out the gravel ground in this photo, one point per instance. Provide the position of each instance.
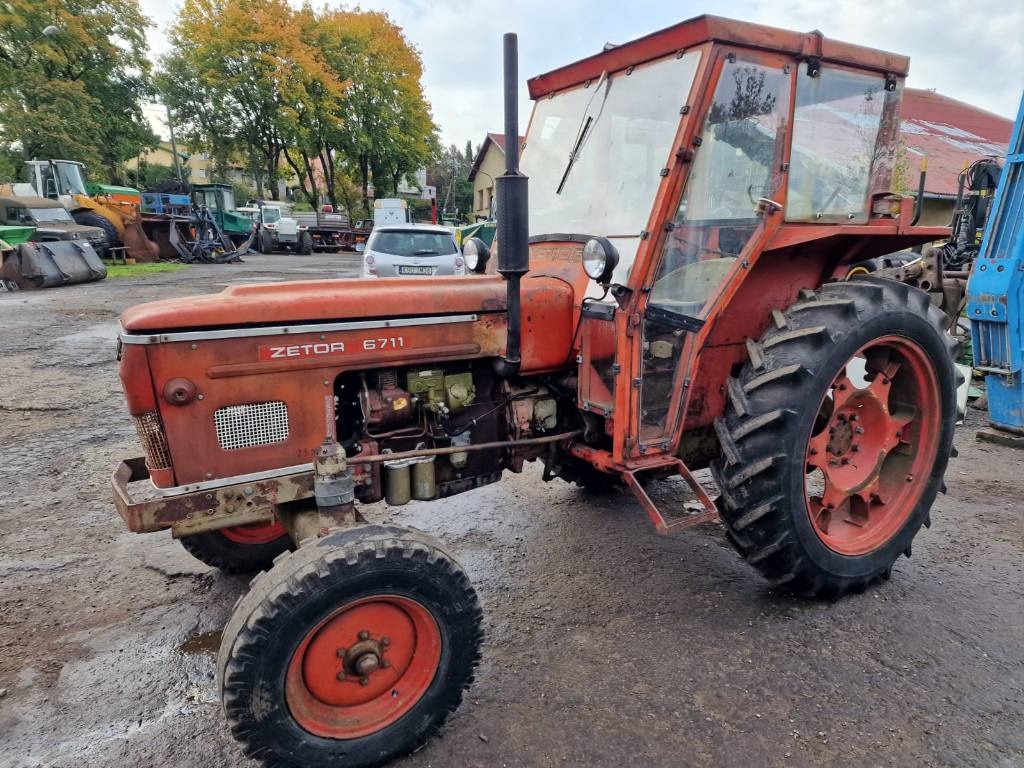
(607, 644)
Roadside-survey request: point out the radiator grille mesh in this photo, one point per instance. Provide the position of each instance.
(154, 444)
(252, 424)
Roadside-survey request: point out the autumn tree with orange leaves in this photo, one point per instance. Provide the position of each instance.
(335, 95)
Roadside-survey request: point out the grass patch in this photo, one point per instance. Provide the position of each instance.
(114, 271)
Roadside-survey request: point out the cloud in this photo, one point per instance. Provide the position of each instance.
(973, 52)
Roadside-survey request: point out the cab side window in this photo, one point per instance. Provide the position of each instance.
(841, 144)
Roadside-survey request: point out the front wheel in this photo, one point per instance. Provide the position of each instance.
(241, 549)
(305, 243)
(351, 651)
(265, 242)
(111, 238)
(837, 434)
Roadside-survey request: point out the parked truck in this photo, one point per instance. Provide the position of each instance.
(391, 211)
(664, 303)
(332, 231)
(277, 228)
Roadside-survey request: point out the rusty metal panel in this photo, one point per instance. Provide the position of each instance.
(204, 510)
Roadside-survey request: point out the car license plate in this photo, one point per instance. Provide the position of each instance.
(415, 270)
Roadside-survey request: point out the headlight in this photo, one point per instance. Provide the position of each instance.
(600, 259)
(476, 253)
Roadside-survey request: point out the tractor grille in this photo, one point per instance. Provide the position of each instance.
(154, 444)
(252, 424)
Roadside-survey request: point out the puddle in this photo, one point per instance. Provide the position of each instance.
(203, 642)
(104, 332)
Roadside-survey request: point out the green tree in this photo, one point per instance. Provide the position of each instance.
(76, 94)
(386, 130)
(242, 68)
(451, 175)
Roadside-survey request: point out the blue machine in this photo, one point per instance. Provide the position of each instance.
(995, 293)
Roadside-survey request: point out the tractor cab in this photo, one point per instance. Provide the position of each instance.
(713, 160)
(56, 179)
(219, 200)
(64, 180)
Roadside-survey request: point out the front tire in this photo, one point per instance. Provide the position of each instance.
(837, 434)
(111, 238)
(351, 651)
(265, 242)
(242, 549)
(305, 244)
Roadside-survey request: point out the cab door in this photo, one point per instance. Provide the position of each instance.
(737, 172)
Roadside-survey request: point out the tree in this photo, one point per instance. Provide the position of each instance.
(76, 94)
(334, 94)
(244, 66)
(386, 129)
(451, 176)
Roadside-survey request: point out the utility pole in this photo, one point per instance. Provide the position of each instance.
(174, 146)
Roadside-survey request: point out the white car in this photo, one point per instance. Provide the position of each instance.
(412, 250)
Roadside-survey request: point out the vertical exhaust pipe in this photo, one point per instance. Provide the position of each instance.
(513, 205)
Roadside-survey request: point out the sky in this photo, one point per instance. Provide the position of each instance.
(968, 51)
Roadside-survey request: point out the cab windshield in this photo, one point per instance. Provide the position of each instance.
(271, 215)
(50, 214)
(595, 153)
(69, 178)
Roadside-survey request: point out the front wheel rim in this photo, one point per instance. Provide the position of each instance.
(872, 447)
(363, 667)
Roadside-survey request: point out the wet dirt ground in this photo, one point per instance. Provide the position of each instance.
(607, 644)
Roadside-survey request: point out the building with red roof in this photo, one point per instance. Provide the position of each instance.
(951, 135)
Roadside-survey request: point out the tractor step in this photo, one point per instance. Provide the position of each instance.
(664, 526)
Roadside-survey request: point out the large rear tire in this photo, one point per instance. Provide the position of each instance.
(242, 549)
(351, 651)
(837, 434)
(305, 244)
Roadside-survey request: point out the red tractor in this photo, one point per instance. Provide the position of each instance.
(665, 303)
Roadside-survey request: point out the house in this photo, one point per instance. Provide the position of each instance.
(488, 164)
(951, 135)
(195, 166)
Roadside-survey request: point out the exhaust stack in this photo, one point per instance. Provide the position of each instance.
(513, 207)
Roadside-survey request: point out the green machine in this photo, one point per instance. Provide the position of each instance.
(15, 235)
(485, 230)
(219, 200)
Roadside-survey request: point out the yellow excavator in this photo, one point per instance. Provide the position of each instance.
(114, 209)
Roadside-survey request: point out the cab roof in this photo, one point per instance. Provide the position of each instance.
(29, 201)
(705, 29)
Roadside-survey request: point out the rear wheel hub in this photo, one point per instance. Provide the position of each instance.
(877, 428)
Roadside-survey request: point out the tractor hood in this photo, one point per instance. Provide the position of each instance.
(548, 314)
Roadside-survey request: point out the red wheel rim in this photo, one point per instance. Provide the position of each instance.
(363, 667)
(872, 447)
(255, 533)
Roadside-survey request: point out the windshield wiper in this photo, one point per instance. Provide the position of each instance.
(586, 124)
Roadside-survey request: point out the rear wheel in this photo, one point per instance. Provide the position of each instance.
(823, 499)
(351, 651)
(241, 549)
